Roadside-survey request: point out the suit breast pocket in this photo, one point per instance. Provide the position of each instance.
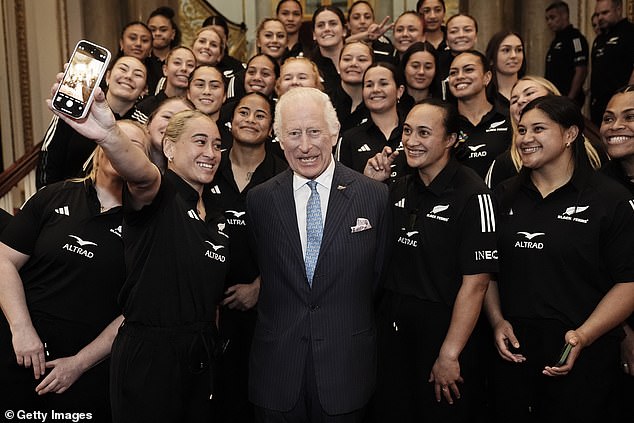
(362, 237)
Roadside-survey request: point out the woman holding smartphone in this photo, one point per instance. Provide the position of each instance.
(163, 355)
(566, 274)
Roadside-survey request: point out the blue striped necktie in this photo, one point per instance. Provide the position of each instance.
(314, 230)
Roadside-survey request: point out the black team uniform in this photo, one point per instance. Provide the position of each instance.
(559, 256)
(612, 66)
(479, 145)
(567, 51)
(615, 171)
(163, 356)
(342, 103)
(358, 145)
(441, 232)
(71, 282)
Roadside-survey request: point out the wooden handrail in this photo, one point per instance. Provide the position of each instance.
(18, 170)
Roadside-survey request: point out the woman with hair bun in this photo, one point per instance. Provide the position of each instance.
(165, 36)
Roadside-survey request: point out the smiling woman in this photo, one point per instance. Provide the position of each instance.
(505, 53)
(271, 38)
(382, 87)
(408, 29)
(329, 30)
(244, 166)
(584, 223)
(208, 46)
(484, 132)
(442, 214)
(64, 151)
(169, 304)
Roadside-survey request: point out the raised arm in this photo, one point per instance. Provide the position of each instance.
(143, 178)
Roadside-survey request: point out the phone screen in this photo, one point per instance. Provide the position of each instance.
(84, 72)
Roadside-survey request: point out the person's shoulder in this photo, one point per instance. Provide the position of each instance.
(607, 188)
(63, 187)
(466, 175)
(355, 131)
(267, 186)
(58, 193)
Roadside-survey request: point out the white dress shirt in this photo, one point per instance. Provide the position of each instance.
(301, 192)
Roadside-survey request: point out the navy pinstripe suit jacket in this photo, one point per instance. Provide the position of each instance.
(336, 316)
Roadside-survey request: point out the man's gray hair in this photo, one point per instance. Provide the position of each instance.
(299, 96)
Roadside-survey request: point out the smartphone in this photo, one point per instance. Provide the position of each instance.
(565, 351)
(86, 67)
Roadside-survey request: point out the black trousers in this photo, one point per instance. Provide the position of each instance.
(411, 332)
(89, 394)
(162, 374)
(524, 394)
(232, 398)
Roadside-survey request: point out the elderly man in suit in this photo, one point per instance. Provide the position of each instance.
(320, 231)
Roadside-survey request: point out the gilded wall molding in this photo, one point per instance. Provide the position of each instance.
(192, 14)
(23, 66)
(62, 19)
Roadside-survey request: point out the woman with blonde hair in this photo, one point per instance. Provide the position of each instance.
(509, 163)
(62, 266)
(208, 46)
(298, 72)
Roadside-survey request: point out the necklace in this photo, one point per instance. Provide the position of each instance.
(249, 175)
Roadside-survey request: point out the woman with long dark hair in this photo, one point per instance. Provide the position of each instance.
(419, 69)
(485, 133)
(329, 31)
(506, 56)
(382, 87)
(442, 255)
(566, 271)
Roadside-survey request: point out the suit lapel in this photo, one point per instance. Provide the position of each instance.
(284, 201)
(341, 192)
